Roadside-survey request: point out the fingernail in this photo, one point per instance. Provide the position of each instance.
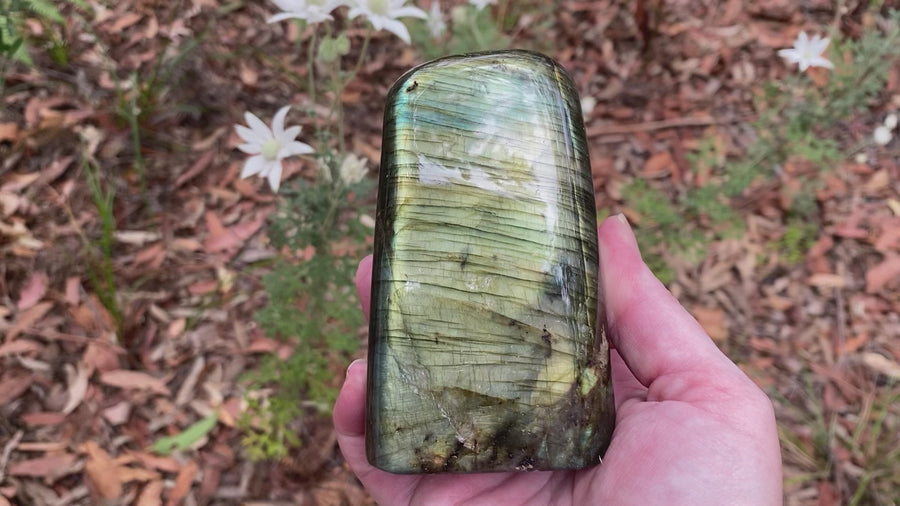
(356, 363)
(621, 217)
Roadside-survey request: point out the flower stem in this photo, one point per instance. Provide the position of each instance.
(476, 33)
(501, 15)
(311, 69)
(362, 56)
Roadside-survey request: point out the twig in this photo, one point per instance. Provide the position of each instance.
(7, 452)
(649, 126)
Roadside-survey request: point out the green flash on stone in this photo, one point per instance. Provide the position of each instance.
(488, 349)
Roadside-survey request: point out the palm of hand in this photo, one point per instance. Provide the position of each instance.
(691, 428)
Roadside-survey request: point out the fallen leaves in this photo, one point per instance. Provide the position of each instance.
(9, 132)
(77, 379)
(12, 385)
(221, 238)
(19, 346)
(102, 474)
(881, 364)
(27, 318)
(135, 380)
(883, 273)
(33, 291)
(50, 467)
(713, 321)
(183, 483)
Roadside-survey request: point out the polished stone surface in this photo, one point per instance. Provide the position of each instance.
(485, 349)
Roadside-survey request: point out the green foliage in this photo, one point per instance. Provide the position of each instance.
(12, 15)
(876, 441)
(332, 48)
(799, 236)
(101, 271)
(469, 30)
(312, 305)
(152, 90)
(188, 437)
(794, 116)
(266, 425)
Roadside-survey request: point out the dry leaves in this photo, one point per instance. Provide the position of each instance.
(33, 291)
(101, 470)
(134, 380)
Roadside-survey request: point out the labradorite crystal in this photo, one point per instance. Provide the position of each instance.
(487, 352)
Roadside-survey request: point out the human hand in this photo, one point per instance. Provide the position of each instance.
(691, 428)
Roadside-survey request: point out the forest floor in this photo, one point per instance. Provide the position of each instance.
(117, 332)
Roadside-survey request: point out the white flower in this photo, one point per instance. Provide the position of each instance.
(459, 15)
(269, 146)
(383, 15)
(882, 135)
(588, 104)
(481, 4)
(352, 169)
(436, 24)
(890, 121)
(313, 11)
(807, 52)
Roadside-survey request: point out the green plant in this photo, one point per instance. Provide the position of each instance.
(791, 126)
(311, 305)
(100, 270)
(799, 236)
(12, 14)
(471, 30)
(13, 46)
(875, 445)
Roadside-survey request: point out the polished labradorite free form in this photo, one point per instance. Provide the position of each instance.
(486, 352)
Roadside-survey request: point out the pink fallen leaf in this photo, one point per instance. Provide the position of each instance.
(42, 418)
(214, 224)
(134, 380)
(27, 318)
(54, 465)
(78, 383)
(102, 474)
(128, 474)
(73, 284)
(12, 387)
(183, 482)
(234, 236)
(199, 166)
(153, 255)
(123, 22)
(825, 280)
(100, 358)
(19, 346)
(880, 275)
(118, 414)
(151, 495)
(203, 287)
(54, 170)
(9, 132)
(33, 291)
(882, 364)
(712, 319)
